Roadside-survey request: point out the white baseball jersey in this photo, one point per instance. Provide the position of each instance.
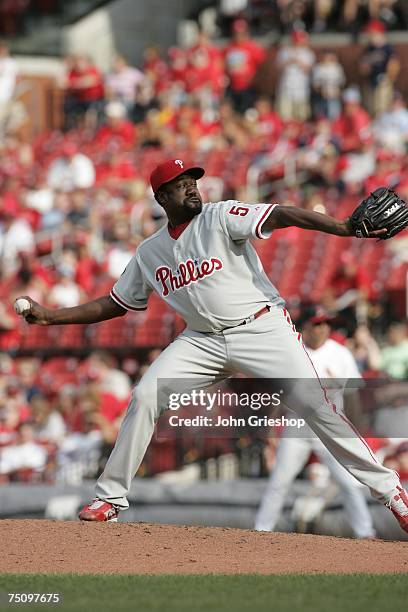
(211, 274)
(334, 361)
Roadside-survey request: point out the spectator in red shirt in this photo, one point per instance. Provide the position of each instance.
(178, 65)
(353, 127)
(31, 278)
(81, 451)
(242, 57)
(108, 405)
(205, 70)
(10, 336)
(118, 132)
(85, 90)
(350, 276)
(388, 171)
(67, 405)
(397, 459)
(155, 68)
(87, 269)
(268, 124)
(198, 72)
(350, 285)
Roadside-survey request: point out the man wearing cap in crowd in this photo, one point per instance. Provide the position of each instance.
(295, 63)
(331, 361)
(380, 67)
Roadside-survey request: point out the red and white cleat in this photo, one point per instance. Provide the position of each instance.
(99, 510)
(398, 505)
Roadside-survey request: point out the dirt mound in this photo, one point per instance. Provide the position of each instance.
(141, 548)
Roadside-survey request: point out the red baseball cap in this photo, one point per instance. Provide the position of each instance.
(315, 314)
(323, 317)
(171, 169)
(299, 37)
(375, 25)
(10, 207)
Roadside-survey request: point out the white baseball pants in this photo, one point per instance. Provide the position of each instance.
(268, 347)
(291, 457)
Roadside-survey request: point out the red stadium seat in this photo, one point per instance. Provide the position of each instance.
(70, 336)
(109, 333)
(37, 336)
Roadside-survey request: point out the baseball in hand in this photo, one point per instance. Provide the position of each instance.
(21, 306)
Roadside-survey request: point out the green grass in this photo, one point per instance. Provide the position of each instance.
(212, 593)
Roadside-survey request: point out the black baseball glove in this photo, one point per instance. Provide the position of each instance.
(382, 210)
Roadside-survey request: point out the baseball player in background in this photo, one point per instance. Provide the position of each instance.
(332, 361)
(203, 264)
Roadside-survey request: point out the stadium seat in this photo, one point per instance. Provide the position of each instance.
(37, 336)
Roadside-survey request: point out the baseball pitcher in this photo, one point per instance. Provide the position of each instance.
(203, 264)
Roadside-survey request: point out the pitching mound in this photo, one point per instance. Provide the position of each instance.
(139, 548)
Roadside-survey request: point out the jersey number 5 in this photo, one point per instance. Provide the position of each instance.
(240, 211)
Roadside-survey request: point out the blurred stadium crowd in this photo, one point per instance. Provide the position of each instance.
(262, 15)
(314, 15)
(75, 203)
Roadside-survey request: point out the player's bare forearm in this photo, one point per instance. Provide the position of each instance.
(291, 216)
(91, 312)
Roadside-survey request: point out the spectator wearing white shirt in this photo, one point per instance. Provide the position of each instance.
(66, 293)
(391, 127)
(72, 170)
(328, 78)
(26, 454)
(295, 63)
(49, 426)
(8, 77)
(111, 379)
(122, 250)
(122, 82)
(8, 74)
(16, 236)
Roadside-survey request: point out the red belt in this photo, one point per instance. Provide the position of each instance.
(251, 318)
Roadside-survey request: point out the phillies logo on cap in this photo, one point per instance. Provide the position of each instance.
(171, 169)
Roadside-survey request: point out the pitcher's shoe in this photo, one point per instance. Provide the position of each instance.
(398, 505)
(99, 510)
